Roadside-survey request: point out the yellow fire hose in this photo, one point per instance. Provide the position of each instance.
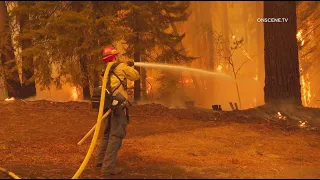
(98, 124)
(96, 132)
(11, 174)
(92, 129)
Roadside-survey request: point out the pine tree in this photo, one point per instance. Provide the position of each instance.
(282, 82)
(69, 35)
(150, 33)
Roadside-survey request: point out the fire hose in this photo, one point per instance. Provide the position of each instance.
(11, 174)
(93, 128)
(96, 130)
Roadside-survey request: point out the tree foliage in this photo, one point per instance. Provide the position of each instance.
(62, 33)
(151, 34)
(70, 35)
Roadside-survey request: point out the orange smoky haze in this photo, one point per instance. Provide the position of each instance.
(232, 21)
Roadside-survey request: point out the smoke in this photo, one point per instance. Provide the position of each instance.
(65, 94)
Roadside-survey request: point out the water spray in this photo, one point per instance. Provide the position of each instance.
(182, 68)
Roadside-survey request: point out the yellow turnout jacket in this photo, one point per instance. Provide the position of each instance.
(123, 71)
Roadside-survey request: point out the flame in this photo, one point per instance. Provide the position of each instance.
(281, 117)
(303, 124)
(299, 37)
(299, 33)
(186, 81)
(306, 90)
(149, 89)
(75, 94)
(256, 77)
(233, 37)
(219, 68)
(9, 99)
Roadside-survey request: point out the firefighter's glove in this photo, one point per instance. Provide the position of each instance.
(130, 63)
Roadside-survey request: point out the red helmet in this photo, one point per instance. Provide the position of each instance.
(109, 54)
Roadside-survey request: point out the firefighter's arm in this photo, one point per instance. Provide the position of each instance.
(131, 73)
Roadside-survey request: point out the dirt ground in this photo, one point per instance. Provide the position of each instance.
(39, 140)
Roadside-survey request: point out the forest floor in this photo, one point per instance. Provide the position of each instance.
(39, 140)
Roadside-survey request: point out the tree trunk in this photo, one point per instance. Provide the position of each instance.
(144, 83)
(3, 87)
(209, 34)
(183, 52)
(245, 24)
(86, 85)
(137, 87)
(282, 82)
(260, 52)
(195, 47)
(28, 87)
(207, 45)
(225, 33)
(137, 58)
(12, 78)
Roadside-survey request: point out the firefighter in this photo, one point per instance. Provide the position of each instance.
(115, 129)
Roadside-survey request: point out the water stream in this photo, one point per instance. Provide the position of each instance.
(182, 68)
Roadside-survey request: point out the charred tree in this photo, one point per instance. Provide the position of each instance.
(282, 79)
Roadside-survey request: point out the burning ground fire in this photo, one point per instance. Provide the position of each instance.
(306, 90)
(75, 94)
(186, 81)
(281, 117)
(219, 68)
(9, 99)
(302, 124)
